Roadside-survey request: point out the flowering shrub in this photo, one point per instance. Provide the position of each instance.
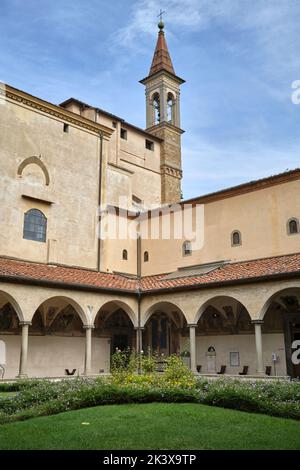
(148, 363)
(16, 385)
(123, 363)
(277, 398)
(177, 373)
(48, 397)
(176, 384)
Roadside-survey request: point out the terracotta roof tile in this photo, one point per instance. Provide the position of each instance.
(230, 272)
(44, 272)
(161, 59)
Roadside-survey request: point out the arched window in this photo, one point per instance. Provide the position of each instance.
(146, 256)
(236, 238)
(170, 107)
(187, 248)
(35, 226)
(156, 106)
(125, 255)
(293, 226)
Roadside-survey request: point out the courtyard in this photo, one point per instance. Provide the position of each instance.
(152, 426)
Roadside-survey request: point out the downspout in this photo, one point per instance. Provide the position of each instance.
(99, 201)
(140, 338)
(139, 273)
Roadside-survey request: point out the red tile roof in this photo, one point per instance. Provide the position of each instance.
(244, 271)
(59, 274)
(161, 59)
(230, 272)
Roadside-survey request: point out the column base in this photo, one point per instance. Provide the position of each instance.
(22, 376)
(260, 374)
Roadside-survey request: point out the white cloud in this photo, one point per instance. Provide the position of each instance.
(273, 24)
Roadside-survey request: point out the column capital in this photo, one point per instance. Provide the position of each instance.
(192, 325)
(257, 322)
(88, 327)
(24, 323)
(139, 328)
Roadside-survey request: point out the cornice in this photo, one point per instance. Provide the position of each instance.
(165, 125)
(165, 72)
(171, 171)
(245, 188)
(53, 110)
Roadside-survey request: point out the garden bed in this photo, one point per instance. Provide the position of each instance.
(31, 398)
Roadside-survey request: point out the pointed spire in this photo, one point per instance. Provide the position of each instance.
(161, 59)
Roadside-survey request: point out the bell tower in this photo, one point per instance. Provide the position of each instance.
(163, 117)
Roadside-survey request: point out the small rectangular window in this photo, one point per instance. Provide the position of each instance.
(123, 134)
(66, 127)
(114, 124)
(149, 145)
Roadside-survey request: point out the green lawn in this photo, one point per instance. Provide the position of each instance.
(152, 426)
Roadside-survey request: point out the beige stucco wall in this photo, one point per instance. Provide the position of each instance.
(13, 348)
(49, 356)
(72, 160)
(143, 178)
(261, 217)
(245, 345)
(70, 200)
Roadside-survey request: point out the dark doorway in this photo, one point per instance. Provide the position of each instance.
(120, 342)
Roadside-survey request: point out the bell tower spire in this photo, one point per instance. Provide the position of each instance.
(163, 116)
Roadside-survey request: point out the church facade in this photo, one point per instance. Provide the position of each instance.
(98, 250)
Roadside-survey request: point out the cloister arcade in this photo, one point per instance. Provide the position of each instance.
(49, 332)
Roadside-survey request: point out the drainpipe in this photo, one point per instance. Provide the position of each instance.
(99, 200)
(138, 257)
(139, 331)
(139, 272)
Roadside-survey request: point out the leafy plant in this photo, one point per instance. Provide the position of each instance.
(177, 373)
(148, 364)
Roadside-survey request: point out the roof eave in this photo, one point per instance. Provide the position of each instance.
(211, 285)
(141, 292)
(162, 71)
(64, 285)
(112, 116)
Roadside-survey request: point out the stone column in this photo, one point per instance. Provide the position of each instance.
(192, 328)
(88, 349)
(150, 113)
(139, 338)
(24, 349)
(258, 344)
(163, 104)
(139, 344)
(177, 109)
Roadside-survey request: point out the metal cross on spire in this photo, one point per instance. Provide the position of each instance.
(161, 14)
(161, 23)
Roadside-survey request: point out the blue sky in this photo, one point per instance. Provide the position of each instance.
(238, 57)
